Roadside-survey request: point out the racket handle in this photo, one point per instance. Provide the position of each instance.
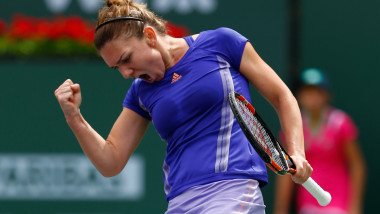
(322, 196)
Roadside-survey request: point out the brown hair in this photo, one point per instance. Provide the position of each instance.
(126, 28)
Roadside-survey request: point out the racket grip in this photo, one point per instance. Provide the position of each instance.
(314, 189)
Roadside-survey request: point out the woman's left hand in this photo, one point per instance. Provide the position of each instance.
(303, 167)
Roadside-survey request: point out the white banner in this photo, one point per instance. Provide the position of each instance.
(67, 177)
(182, 7)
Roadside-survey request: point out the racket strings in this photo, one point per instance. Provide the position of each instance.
(259, 133)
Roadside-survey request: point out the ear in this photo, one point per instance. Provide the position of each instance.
(151, 36)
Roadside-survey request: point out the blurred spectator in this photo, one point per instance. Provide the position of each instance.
(332, 150)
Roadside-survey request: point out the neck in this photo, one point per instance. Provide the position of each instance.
(174, 50)
(316, 116)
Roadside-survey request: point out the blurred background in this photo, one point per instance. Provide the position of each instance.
(44, 42)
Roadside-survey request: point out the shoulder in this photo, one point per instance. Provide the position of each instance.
(135, 86)
(343, 123)
(226, 30)
(339, 117)
(222, 38)
(224, 42)
(136, 83)
(223, 33)
(336, 113)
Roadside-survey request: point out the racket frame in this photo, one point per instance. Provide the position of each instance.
(323, 197)
(285, 158)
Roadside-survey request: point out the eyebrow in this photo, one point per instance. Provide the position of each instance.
(119, 61)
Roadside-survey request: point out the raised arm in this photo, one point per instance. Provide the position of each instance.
(111, 155)
(269, 84)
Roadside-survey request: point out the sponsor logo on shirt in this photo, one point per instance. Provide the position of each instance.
(176, 77)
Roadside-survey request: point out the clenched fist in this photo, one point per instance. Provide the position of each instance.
(69, 97)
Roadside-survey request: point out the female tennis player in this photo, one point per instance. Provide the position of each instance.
(182, 86)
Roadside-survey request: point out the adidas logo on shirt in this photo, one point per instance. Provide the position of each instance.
(176, 77)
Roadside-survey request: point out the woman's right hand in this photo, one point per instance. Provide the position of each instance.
(69, 97)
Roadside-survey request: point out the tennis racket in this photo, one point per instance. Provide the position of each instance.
(266, 145)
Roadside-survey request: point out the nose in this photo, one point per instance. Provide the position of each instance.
(126, 72)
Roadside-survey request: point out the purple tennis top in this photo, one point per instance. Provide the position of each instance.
(190, 110)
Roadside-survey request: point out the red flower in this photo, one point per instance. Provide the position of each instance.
(21, 27)
(76, 28)
(73, 27)
(3, 26)
(56, 30)
(43, 29)
(176, 30)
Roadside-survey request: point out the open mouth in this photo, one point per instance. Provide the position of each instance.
(146, 77)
